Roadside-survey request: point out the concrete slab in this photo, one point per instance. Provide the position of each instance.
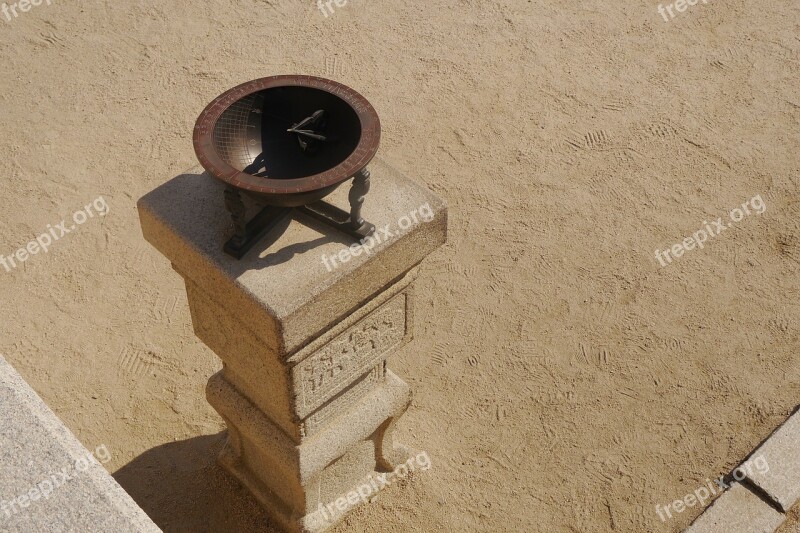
(781, 452)
(48, 481)
(737, 511)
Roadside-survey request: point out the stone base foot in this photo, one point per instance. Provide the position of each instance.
(326, 516)
(388, 453)
(303, 485)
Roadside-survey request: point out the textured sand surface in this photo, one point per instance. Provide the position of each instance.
(564, 381)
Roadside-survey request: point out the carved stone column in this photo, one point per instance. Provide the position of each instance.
(304, 330)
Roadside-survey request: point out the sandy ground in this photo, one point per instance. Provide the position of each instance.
(564, 380)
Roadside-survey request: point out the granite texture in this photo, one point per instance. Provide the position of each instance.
(737, 511)
(186, 220)
(48, 481)
(304, 324)
(781, 451)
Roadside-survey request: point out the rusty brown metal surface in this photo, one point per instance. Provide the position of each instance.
(225, 148)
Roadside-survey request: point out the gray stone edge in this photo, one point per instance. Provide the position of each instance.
(718, 518)
(99, 476)
(782, 454)
(770, 503)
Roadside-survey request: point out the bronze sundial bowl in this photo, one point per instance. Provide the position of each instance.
(287, 142)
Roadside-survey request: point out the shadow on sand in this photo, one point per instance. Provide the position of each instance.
(182, 488)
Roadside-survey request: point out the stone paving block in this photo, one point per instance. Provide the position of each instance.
(737, 511)
(48, 483)
(781, 451)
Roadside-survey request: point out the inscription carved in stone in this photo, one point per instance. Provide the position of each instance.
(349, 355)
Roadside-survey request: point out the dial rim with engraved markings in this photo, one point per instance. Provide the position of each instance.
(363, 153)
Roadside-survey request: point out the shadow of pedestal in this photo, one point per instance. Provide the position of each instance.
(181, 487)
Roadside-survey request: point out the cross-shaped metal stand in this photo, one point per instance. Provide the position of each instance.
(248, 233)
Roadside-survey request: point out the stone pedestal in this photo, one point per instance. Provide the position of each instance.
(303, 326)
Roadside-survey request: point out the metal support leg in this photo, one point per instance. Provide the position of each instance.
(236, 207)
(246, 234)
(350, 223)
(358, 191)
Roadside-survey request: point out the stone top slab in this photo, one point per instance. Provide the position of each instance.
(781, 451)
(291, 291)
(48, 481)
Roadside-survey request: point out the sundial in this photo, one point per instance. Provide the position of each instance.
(287, 142)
